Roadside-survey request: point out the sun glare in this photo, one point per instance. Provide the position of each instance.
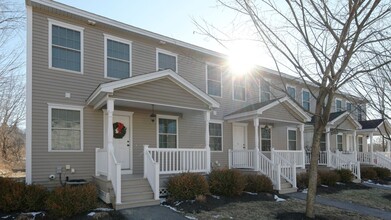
(243, 57)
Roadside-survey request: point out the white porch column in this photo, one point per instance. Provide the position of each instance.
(110, 148)
(301, 127)
(328, 151)
(371, 146)
(208, 156)
(355, 144)
(256, 129)
(388, 146)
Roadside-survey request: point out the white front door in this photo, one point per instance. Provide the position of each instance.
(239, 137)
(123, 145)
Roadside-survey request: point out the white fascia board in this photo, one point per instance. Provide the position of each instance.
(240, 115)
(337, 118)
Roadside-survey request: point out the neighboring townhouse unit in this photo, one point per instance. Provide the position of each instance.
(126, 108)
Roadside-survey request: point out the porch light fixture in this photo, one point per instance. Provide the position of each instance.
(153, 115)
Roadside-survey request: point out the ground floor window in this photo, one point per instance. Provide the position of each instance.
(323, 142)
(292, 139)
(360, 143)
(168, 132)
(339, 142)
(266, 139)
(66, 126)
(215, 136)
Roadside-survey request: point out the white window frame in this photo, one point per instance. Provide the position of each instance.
(360, 113)
(158, 50)
(72, 27)
(358, 143)
(287, 137)
(292, 87)
(336, 141)
(214, 121)
(207, 79)
(245, 91)
(65, 107)
(302, 99)
(336, 106)
(351, 106)
(172, 117)
(121, 40)
(260, 88)
(260, 136)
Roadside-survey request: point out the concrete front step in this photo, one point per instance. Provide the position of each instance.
(138, 196)
(127, 205)
(287, 190)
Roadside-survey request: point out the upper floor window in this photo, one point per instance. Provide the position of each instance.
(306, 100)
(213, 74)
(117, 57)
(166, 60)
(265, 90)
(292, 137)
(65, 46)
(359, 113)
(239, 88)
(349, 106)
(291, 91)
(66, 126)
(338, 105)
(216, 136)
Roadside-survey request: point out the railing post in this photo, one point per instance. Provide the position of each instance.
(145, 160)
(207, 159)
(278, 177)
(358, 170)
(256, 159)
(157, 183)
(272, 155)
(96, 162)
(294, 174)
(118, 175)
(229, 159)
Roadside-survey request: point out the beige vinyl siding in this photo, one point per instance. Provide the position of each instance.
(281, 113)
(279, 137)
(162, 91)
(345, 124)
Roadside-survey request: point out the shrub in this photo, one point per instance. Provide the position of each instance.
(71, 200)
(226, 182)
(302, 180)
(11, 195)
(34, 198)
(258, 183)
(382, 173)
(345, 175)
(187, 186)
(368, 173)
(329, 178)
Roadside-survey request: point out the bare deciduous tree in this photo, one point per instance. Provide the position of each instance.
(324, 43)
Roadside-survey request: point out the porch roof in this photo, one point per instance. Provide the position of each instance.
(337, 118)
(376, 126)
(105, 90)
(371, 124)
(256, 110)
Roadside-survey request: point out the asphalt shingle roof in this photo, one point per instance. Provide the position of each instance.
(332, 116)
(254, 107)
(370, 124)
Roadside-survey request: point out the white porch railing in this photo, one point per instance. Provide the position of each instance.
(266, 167)
(386, 154)
(364, 157)
(241, 158)
(293, 156)
(151, 172)
(288, 169)
(351, 155)
(115, 177)
(322, 158)
(340, 161)
(381, 160)
(180, 160)
(100, 162)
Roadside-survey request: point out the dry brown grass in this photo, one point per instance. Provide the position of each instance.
(269, 210)
(371, 197)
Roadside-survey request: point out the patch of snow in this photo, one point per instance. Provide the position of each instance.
(34, 214)
(378, 184)
(162, 200)
(172, 208)
(7, 216)
(217, 216)
(178, 203)
(216, 197)
(103, 209)
(278, 199)
(339, 183)
(305, 191)
(191, 217)
(91, 214)
(251, 193)
(325, 185)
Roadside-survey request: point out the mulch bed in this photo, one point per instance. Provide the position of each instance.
(212, 202)
(339, 187)
(298, 216)
(388, 196)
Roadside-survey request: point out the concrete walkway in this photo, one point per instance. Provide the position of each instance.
(373, 185)
(345, 205)
(156, 212)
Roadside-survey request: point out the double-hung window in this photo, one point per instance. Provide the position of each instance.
(291, 92)
(239, 88)
(359, 113)
(292, 137)
(360, 143)
(65, 46)
(340, 142)
(166, 60)
(338, 105)
(216, 136)
(266, 138)
(323, 142)
(167, 132)
(349, 106)
(213, 74)
(265, 90)
(117, 57)
(306, 100)
(65, 128)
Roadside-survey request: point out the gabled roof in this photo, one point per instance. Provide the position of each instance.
(259, 108)
(110, 87)
(335, 116)
(332, 117)
(371, 124)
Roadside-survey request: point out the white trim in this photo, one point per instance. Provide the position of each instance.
(110, 87)
(120, 40)
(222, 134)
(173, 117)
(302, 98)
(169, 53)
(245, 88)
(29, 72)
(336, 106)
(52, 22)
(287, 136)
(65, 107)
(244, 125)
(293, 87)
(207, 79)
(260, 88)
